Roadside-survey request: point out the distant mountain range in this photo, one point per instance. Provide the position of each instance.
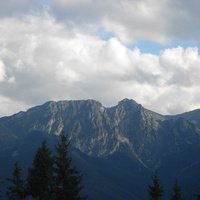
(117, 149)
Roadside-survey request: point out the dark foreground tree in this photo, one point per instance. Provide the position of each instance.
(17, 190)
(176, 192)
(67, 178)
(156, 190)
(197, 196)
(40, 176)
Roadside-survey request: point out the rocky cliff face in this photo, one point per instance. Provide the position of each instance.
(100, 132)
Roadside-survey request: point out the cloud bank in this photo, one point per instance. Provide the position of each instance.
(59, 53)
(131, 20)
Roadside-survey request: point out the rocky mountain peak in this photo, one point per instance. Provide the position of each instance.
(128, 103)
(96, 130)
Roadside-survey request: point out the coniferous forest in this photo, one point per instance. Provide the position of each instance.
(49, 178)
(54, 178)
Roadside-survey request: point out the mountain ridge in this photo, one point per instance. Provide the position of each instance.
(90, 120)
(127, 137)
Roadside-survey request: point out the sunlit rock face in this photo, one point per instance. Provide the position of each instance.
(99, 131)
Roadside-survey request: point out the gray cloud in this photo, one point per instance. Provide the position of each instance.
(129, 20)
(18, 7)
(132, 20)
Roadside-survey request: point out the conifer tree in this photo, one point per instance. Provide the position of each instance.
(67, 178)
(156, 191)
(17, 190)
(176, 192)
(40, 176)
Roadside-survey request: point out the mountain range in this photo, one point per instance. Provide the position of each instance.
(117, 149)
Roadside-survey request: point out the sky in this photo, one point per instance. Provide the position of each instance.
(106, 50)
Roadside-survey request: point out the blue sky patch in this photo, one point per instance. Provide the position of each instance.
(152, 47)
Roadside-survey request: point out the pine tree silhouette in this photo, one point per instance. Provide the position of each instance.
(67, 178)
(156, 190)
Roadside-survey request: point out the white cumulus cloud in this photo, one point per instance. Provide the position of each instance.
(50, 60)
(52, 50)
(2, 71)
